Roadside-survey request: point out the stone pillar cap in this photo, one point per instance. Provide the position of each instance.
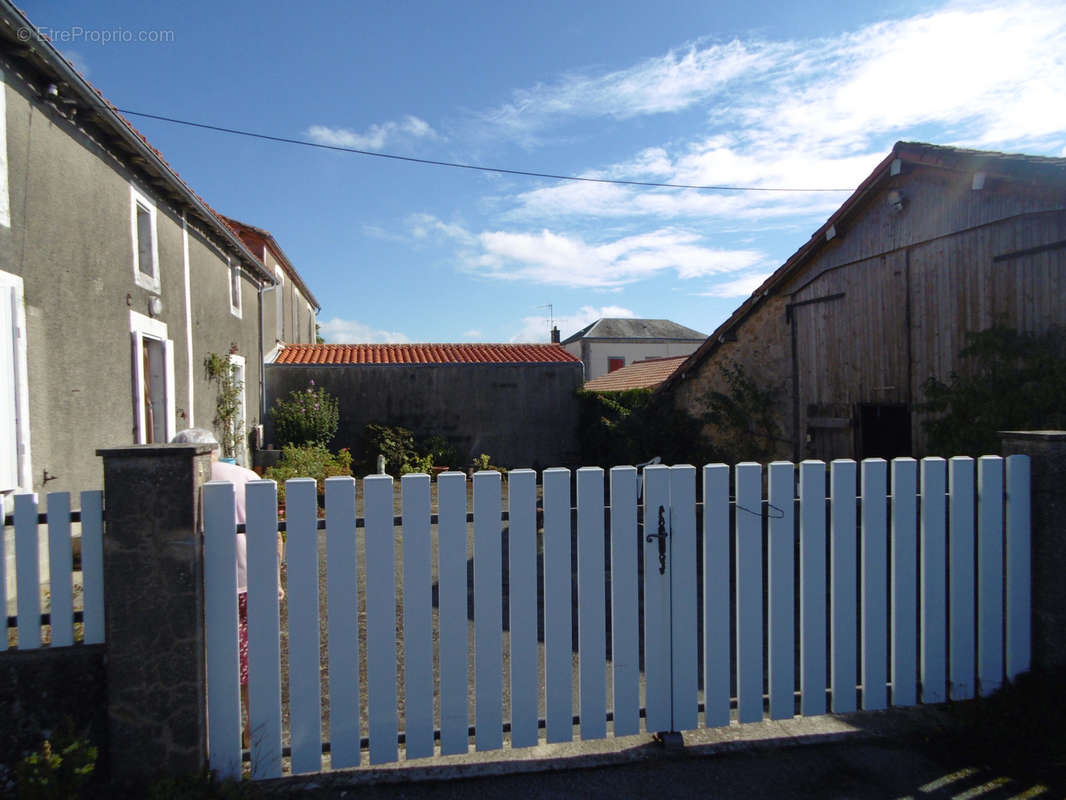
(156, 450)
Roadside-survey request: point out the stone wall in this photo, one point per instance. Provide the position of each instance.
(40, 689)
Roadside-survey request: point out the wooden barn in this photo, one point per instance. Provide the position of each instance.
(935, 243)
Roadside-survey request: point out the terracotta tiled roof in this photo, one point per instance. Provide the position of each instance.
(640, 375)
(423, 354)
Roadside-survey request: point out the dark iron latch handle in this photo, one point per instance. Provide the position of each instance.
(661, 536)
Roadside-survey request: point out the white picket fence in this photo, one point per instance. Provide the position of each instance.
(914, 587)
(61, 579)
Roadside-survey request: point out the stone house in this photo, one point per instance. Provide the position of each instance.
(116, 281)
(936, 242)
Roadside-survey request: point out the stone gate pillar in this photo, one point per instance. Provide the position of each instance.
(1047, 464)
(154, 599)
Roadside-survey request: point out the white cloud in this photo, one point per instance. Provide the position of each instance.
(350, 331)
(557, 259)
(427, 226)
(536, 329)
(375, 137)
(473, 334)
(741, 286)
(805, 114)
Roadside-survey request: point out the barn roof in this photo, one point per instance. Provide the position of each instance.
(346, 354)
(639, 375)
(1016, 167)
(627, 328)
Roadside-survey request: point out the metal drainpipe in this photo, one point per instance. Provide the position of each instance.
(262, 366)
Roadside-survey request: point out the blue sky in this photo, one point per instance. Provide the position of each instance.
(808, 96)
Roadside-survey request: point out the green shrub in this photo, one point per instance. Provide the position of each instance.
(309, 461)
(395, 443)
(59, 771)
(443, 452)
(308, 416)
(1009, 381)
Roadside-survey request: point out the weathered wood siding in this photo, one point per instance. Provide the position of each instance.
(888, 302)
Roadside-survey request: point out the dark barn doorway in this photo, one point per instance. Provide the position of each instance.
(884, 431)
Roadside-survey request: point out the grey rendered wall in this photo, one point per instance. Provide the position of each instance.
(522, 415)
(215, 329)
(70, 241)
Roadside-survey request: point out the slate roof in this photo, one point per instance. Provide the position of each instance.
(343, 354)
(627, 328)
(639, 375)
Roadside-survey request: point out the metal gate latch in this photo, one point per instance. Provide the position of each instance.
(661, 536)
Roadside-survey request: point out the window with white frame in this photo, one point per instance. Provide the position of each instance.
(153, 380)
(279, 303)
(234, 287)
(16, 472)
(145, 244)
(297, 303)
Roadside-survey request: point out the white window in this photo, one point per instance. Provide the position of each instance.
(279, 292)
(297, 301)
(234, 288)
(15, 468)
(153, 380)
(145, 246)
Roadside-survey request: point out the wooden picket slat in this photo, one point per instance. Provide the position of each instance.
(342, 617)
(591, 604)
(488, 612)
(27, 572)
(558, 677)
(962, 677)
(933, 580)
(305, 683)
(625, 652)
(874, 569)
(749, 592)
(683, 628)
(717, 650)
(656, 601)
(781, 640)
(812, 588)
(843, 599)
(904, 582)
(451, 603)
(989, 574)
(220, 634)
(522, 604)
(60, 568)
(92, 566)
(417, 617)
(1018, 567)
(264, 629)
(381, 619)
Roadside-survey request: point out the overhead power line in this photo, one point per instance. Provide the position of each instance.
(477, 167)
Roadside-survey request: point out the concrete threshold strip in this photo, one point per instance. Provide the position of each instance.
(902, 724)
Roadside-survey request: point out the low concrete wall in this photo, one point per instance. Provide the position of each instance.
(522, 415)
(1047, 465)
(40, 689)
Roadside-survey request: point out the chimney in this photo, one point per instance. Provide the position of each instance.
(555, 334)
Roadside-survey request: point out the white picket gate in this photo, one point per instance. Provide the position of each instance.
(914, 588)
(61, 580)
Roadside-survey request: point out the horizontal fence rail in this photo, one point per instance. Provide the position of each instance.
(66, 587)
(534, 615)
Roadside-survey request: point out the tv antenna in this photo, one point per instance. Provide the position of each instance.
(551, 317)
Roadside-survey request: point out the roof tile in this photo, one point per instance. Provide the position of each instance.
(639, 375)
(423, 354)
